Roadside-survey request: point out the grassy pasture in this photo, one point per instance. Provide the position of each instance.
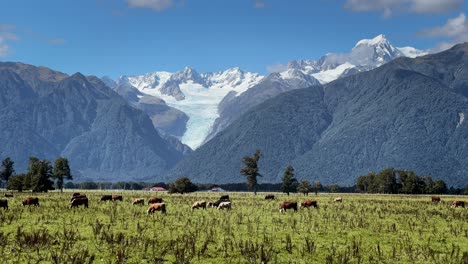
(362, 229)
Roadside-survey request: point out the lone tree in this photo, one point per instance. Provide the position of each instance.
(61, 172)
(182, 185)
(40, 172)
(251, 170)
(7, 170)
(317, 187)
(289, 182)
(304, 187)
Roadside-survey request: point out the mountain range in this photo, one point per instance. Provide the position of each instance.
(408, 113)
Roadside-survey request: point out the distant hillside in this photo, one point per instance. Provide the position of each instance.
(48, 114)
(409, 113)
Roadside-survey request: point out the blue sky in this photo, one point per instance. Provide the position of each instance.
(117, 37)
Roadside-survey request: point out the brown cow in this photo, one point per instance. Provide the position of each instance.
(79, 201)
(338, 200)
(458, 204)
(153, 200)
(4, 204)
(106, 198)
(224, 205)
(116, 197)
(8, 195)
(309, 203)
(199, 204)
(224, 197)
(435, 199)
(80, 196)
(157, 207)
(269, 197)
(31, 201)
(75, 194)
(288, 205)
(139, 201)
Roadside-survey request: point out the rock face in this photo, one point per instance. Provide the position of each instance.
(407, 114)
(48, 114)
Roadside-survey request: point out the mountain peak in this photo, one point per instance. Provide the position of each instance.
(379, 39)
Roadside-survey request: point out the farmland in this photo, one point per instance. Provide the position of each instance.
(362, 229)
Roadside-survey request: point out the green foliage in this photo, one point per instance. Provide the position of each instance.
(41, 172)
(289, 182)
(317, 187)
(17, 182)
(251, 170)
(7, 169)
(61, 171)
(182, 185)
(304, 187)
(394, 181)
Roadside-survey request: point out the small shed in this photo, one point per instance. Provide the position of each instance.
(217, 189)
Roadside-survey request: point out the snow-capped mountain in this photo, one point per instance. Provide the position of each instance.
(198, 95)
(367, 54)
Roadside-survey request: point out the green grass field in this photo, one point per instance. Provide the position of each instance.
(362, 229)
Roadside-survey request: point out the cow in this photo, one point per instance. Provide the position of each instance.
(153, 200)
(78, 196)
(435, 199)
(8, 195)
(199, 204)
(224, 205)
(4, 204)
(75, 194)
(224, 197)
(217, 203)
(338, 200)
(116, 197)
(288, 205)
(139, 201)
(309, 203)
(106, 198)
(269, 197)
(157, 207)
(79, 201)
(31, 201)
(458, 204)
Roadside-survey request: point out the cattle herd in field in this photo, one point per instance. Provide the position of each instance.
(157, 204)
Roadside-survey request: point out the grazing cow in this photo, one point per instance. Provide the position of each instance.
(79, 201)
(224, 197)
(217, 203)
(4, 204)
(458, 204)
(435, 199)
(31, 201)
(153, 200)
(157, 207)
(338, 200)
(223, 205)
(75, 194)
(139, 201)
(8, 195)
(288, 205)
(199, 204)
(78, 196)
(106, 198)
(309, 203)
(269, 197)
(117, 197)
(210, 204)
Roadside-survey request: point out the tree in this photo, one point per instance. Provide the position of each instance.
(289, 182)
(7, 169)
(304, 187)
(251, 170)
(439, 187)
(62, 172)
(41, 172)
(17, 182)
(182, 185)
(317, 187)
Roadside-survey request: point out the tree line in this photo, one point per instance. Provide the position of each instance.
(39, 177)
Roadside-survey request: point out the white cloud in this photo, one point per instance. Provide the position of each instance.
(6, 36)
(390, 7)
(155, 5)
(277, 68)
(259, 4)
(454, 31)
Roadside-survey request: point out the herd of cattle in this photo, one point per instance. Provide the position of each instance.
(157, 204)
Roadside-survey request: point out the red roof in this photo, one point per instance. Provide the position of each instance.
(158, 189)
